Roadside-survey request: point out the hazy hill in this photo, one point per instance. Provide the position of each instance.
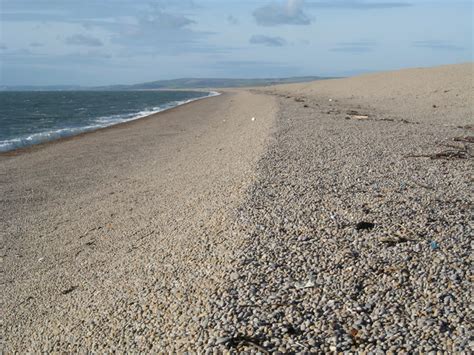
(186, 83)
(193, 83)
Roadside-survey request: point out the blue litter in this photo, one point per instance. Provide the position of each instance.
(434, 245)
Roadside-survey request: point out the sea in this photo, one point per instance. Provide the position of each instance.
(28, 118)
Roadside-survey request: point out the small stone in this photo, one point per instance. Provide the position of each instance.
(365, 225)
(222, 340)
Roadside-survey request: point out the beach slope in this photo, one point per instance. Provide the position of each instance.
(318, 217)
(358, 226)
(110, 238)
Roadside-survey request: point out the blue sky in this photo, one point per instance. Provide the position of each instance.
(98, 42)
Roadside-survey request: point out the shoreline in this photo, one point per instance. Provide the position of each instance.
(90, 223)
(26, 149)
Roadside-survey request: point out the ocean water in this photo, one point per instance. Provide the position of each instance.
(28, 118)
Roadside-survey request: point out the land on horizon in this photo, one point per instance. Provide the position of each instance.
(183, 83)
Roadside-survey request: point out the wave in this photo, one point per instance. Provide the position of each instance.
(99, 122)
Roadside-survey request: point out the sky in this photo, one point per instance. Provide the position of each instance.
(101, 42)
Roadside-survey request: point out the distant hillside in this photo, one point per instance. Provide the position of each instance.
(186, 83)
(194, 83)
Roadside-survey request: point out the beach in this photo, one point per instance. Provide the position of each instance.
(317, 217)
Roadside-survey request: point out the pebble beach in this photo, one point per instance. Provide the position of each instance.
(324, 217)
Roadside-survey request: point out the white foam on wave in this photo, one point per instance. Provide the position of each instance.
(100, 122)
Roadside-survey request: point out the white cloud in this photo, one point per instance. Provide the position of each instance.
(282, 13)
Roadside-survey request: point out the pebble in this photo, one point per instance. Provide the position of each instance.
(222, 340)
(297, 225)
(308, 214)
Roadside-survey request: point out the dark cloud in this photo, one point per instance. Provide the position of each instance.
(232, 20)
(356, 4)
(289, 12)
(268, 41)
(83, 40)
(148, 26)
(356, 47)
(163, 33)
(438, 45)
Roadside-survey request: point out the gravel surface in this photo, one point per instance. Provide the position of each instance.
(323, 217)
(113, 240)
(359, 234)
